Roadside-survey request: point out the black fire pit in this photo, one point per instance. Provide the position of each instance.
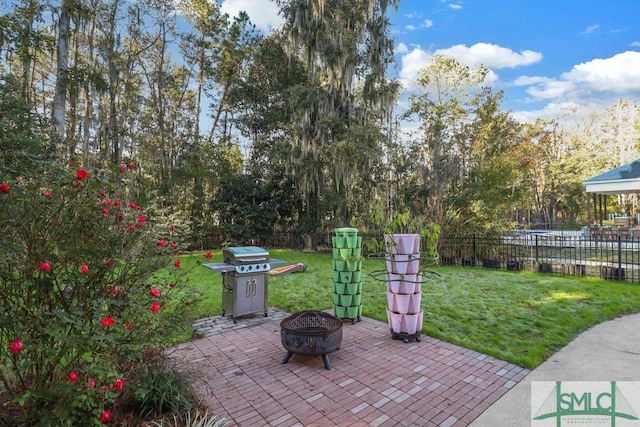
(311, 333)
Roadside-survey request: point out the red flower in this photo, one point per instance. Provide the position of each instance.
(134, 206)
(108, 321)
(105, 211)
(130, 166)
(141, 220)
(47, 193)
(105, 417)
(122, 170)
(188, 303)
(73, 376)
(92, 383)
(108, 263)
(161, 243)
(128, 325)
(84, 268)
(154, 292)
(132, 227)
(118, 384)
(155, 307)
(172, 285)
(81, 174)
(177, 263)
(105, 388)
(15, 346)
(172, 245)
(44, 266)
(107, 202)
(4, 188)
(172, 228)
(208, 255)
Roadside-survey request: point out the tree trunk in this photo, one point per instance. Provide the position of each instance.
(59, 100)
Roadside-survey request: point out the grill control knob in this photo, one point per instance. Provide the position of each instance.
(250, 267)
(242, 268)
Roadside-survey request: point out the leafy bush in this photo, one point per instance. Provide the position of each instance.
(160, 388)
(193, 419)
(79, 302)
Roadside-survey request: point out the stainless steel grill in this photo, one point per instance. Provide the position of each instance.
(244, 280)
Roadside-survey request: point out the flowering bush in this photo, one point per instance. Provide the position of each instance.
(79, 298)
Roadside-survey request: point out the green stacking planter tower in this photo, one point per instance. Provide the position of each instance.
(347, 274)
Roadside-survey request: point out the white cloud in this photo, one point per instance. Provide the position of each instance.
(413, 15)
(618, 74)
(401, 48)
(568, 113)
(490, 55)
(551, 89)
(428, 23)
(263, 13)
(455, 6)
(635, 44)
(530, 80)
(410, 27)
(550, 111)
(412, 62)
(573, 94)
(585, 88)
(590, 29)
(491, 78)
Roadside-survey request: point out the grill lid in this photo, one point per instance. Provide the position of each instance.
(245, 255)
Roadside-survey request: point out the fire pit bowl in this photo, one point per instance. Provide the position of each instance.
(311, 333)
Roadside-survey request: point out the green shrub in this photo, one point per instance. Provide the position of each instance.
(79, 303)
(193, 419)
(160, 388)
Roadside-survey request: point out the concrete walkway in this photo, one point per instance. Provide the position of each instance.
(607, 352)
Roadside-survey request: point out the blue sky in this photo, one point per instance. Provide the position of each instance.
(550, 57)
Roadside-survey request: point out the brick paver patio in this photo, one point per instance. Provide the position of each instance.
(375, 380)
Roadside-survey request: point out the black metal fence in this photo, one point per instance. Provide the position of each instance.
(564, 253)
(546, 252)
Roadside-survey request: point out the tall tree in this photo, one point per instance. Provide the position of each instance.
(449, 90)
(489, 186)
(346, 48)
(201, 47)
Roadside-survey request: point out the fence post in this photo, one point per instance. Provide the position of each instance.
(474, 247)
(536, 249)
(619, 252)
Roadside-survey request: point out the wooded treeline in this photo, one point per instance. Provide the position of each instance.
(297, 130)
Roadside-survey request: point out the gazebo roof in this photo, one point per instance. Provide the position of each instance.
(623, 179)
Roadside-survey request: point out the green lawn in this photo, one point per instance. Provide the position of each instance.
(519, 317)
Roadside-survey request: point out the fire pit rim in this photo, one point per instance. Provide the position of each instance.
(316, 340)
(336, 322)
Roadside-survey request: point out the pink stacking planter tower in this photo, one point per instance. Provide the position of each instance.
(404, 286)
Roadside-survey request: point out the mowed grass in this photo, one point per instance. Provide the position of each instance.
(518, 317)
